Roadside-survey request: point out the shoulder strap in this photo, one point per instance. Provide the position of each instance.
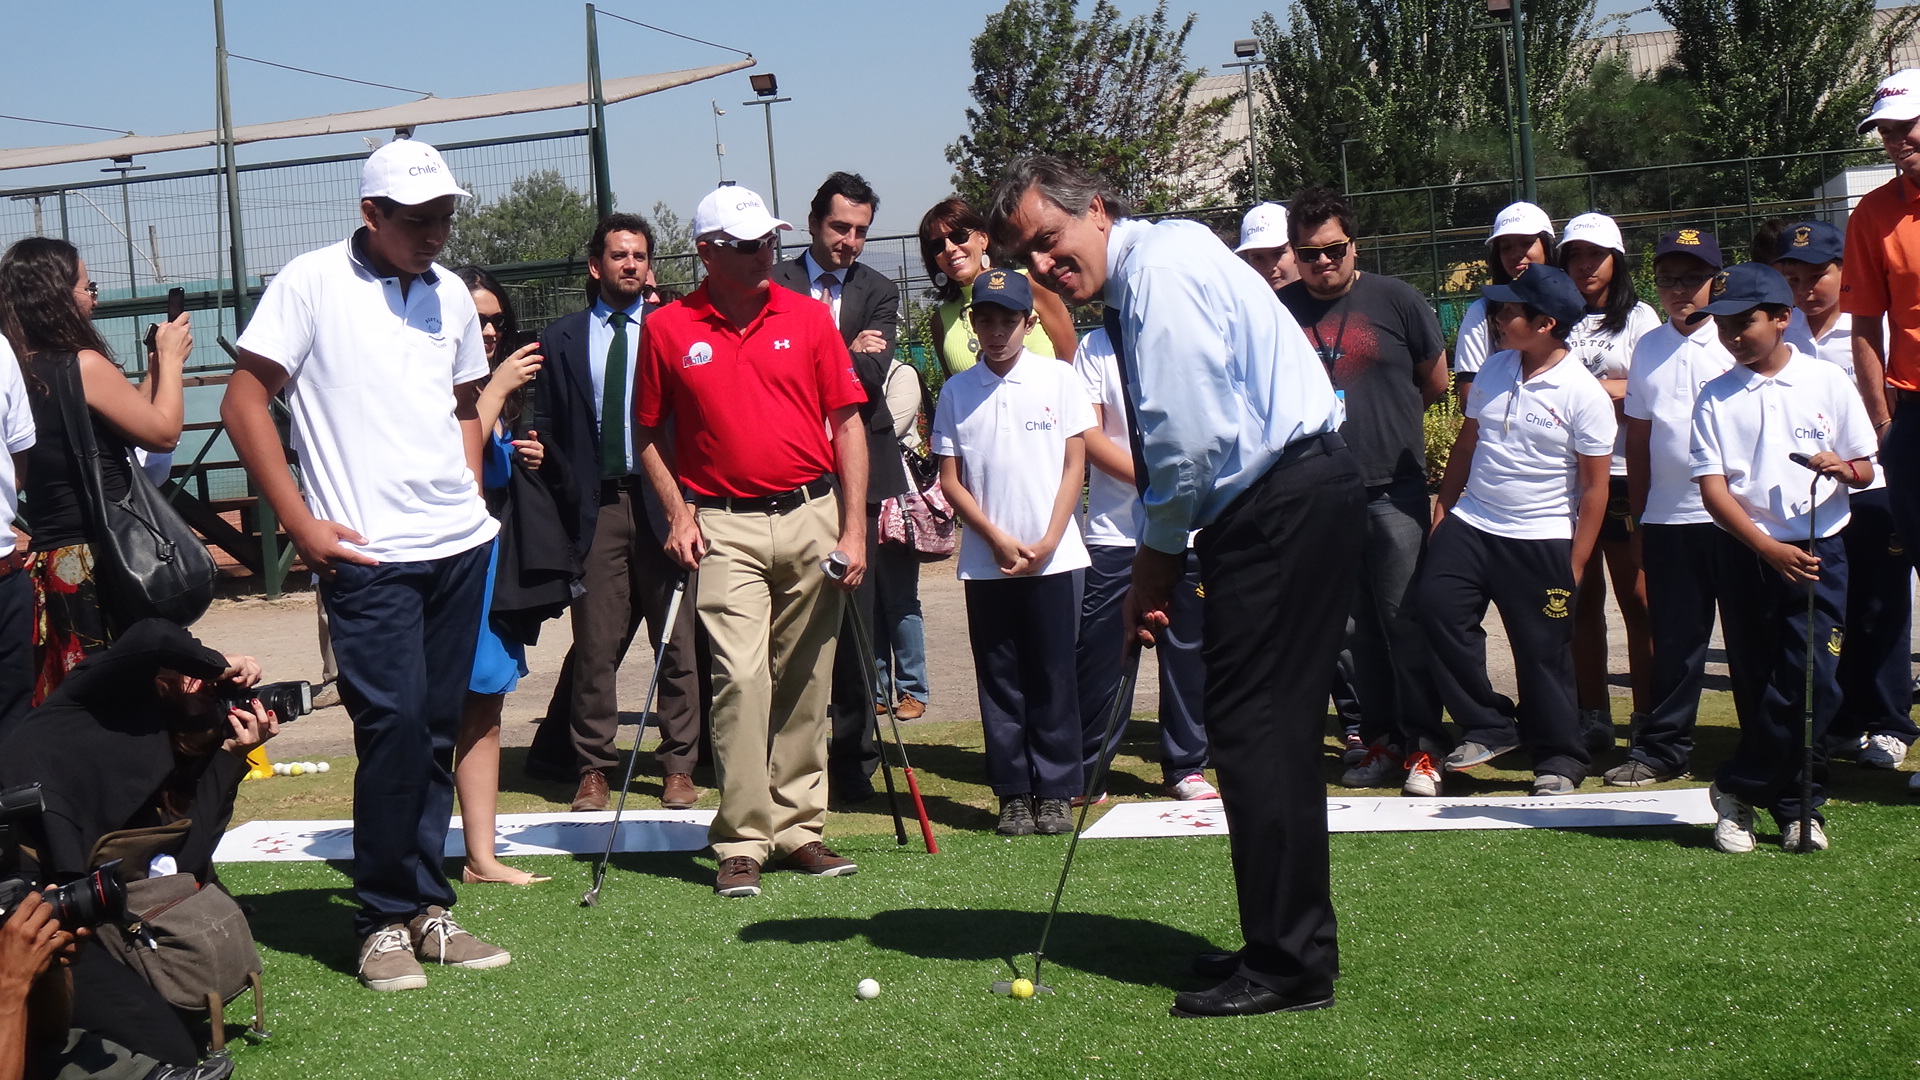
(78, 419)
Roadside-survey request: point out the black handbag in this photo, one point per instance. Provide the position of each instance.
(148, 562)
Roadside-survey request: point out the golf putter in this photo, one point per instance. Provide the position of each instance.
(1806, 697)
(835, 567)
(592, 896)
(1129, 670)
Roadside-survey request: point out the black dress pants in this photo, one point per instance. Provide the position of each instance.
(1280, 566)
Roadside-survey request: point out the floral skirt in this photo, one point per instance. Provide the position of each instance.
(68, 624)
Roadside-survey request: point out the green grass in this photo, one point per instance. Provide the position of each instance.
(1622, 953)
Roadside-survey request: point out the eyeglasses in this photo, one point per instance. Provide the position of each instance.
(958, 237)
(744, 247)
(91, 288)
(1688, 282)
(1336, 252)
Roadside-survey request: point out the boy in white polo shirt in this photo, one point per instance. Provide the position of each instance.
(1517, 518)
(1679, 544)
(1873, 721)
(1783, 547)
(1009, 435)
(379, 352)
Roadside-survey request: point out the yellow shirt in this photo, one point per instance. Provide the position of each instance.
(960, 349)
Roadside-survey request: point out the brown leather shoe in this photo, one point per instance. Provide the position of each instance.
(910, 708)
(815, 859)
(739, 875)
(679, 793)
(592, 792)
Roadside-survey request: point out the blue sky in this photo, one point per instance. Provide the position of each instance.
(878, 87)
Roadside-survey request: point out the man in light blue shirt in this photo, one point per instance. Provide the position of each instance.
(1235, 424)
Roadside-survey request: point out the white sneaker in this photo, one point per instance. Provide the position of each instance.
(1423, 776)
(1192, 788)
(1733, 833)
(1381, 763)
(1882, 751)
(1790, 837)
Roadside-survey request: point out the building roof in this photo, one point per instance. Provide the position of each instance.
(1648, 52)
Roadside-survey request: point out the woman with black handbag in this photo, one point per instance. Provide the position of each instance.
(46, 302)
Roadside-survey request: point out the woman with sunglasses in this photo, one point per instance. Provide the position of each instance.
(1594, 255)
(500, 657)
(953, 241)
(1522, 236)
(47, 301)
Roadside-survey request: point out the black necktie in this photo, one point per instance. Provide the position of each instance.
(1112, 321)
(613, 403)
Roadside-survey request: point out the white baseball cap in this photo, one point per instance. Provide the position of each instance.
(409, 173)
(1597, 229)
(1896, 98)
(734, 210)
(1265, 226)
(1521, 219)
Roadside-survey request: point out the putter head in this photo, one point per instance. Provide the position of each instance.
(1004, 987)
(591, 898)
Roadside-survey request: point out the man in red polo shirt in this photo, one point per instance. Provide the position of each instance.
(755, 379)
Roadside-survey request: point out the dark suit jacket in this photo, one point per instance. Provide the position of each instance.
(869, 300)
(563, 410)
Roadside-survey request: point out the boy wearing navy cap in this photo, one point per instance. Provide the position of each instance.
(1517, 518)
(1873, 720)
(1782, 548)
(1009, 433)
(1679, 544)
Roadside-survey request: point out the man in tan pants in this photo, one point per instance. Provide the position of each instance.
(764, 405)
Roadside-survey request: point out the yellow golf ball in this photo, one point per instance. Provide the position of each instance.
(297, 769)
(1022, 988)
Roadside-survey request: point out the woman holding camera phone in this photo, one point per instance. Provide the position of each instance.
(46, 304)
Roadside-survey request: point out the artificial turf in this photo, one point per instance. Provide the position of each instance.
(1495, 954)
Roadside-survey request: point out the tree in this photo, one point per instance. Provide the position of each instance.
(1114, 96)
(540, 217)
(674, 263)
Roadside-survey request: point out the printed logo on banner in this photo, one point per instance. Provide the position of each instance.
(1557, 600)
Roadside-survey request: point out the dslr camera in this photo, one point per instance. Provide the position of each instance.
(286, 700)
(89, 901)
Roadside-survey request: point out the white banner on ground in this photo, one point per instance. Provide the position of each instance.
(514, 834)
(1600, 810)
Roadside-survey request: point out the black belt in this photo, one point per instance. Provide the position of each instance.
(611, 488)
(1300, 449)
(766, 504)
(1905, 397)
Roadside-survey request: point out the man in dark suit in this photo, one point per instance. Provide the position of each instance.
(866, 307)
(583, 408)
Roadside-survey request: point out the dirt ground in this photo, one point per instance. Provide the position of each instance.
(283, 634)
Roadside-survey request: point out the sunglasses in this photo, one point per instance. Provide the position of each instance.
(1688, 282)
(497, 321)
(1336, 252)
(958, 238)
(744, 247)
(91, 288)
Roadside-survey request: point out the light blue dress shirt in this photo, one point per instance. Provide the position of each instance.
(599, 340)
(1221, 375)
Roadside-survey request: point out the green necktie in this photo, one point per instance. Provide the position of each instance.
(613, 403)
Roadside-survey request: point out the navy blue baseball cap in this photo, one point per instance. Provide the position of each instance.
(1547, 289)
(1006, 288)
(1695, 242)
(1816, 242)
(1742, 288)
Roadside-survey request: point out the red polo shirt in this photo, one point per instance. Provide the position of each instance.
(1882, 273)
(750, 405)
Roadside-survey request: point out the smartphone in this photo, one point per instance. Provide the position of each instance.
(176, 306)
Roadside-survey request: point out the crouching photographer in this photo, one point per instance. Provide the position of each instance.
(138, 757)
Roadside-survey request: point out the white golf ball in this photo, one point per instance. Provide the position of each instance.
(868, 989)
(322, 767)
(279, 768)
(310, 766)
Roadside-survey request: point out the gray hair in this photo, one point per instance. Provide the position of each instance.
(1061, 182)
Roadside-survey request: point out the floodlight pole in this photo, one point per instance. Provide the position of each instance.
(602, 174)
(773, 172)
(123, 166)
(237, 248)
(1247, 49)
(1512, 10)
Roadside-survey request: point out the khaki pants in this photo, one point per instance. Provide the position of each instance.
(771, 617)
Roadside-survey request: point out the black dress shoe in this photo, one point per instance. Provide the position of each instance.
(1238, 997)
(1216, 965)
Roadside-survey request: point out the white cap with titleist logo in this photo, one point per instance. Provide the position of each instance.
(1896, 98)
(1265, 226)
(409, 173)
(1521, 219)
(1597, 229)
(735, 211)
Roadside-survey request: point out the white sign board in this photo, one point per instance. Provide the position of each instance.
(514, 834)
(1600, 810)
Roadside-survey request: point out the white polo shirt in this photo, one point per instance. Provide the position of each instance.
(16, 428)
(1474, 343)
(1744, 426)
(1113, 506)
(1010, 436)
(1525, 470)
(1670, 367)
(370, 378)
(1836, 348)
(1610, 356)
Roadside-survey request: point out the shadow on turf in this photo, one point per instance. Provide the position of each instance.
(1153, 954)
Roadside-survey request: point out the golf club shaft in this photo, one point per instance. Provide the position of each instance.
(646, 707)
(1129, 669)
(1806, 704)
(863, 642)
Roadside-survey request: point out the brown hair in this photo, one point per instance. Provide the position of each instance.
(947, 214)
